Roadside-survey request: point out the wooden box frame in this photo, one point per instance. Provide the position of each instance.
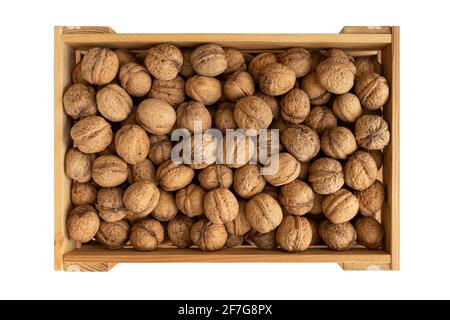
(383, 41)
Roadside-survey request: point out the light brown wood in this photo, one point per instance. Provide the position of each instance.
(87, 30)
(366, 30)
(364, 266)
(88, 266)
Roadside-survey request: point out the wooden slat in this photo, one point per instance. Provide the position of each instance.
(88, 266)
(365, 267)
(87, 30)
(366, 30)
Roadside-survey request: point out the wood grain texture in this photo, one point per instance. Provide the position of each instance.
(88, 266)
(365, 267)
(87, 30)
(366, 30)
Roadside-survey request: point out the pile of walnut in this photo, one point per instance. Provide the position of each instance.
(126, 189)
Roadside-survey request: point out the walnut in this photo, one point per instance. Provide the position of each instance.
(135, 79)
(297, 197)
(338, 53)
(156, 116)
(124, 56)
(109, 171)
(99, 66)
(326, 176)
(288, 170)
(186, 70)
(83, 193)
(160, 149)
(132, 143)
(110, 205)
(142, 171)
(268, 146)
(190, 200)
(77, 76)
(263, 241)
(248, 181)
(179, 229)
(114, 103)
(360, 171)
(252, 113)
(204, 89)
(236, 152)
(372, 90)
(190, 114)
(223, 117)
(215, 176)
(235, 60)
(367, 65)
(131, 119)
(238, 85)
(298, 60)
(141, 198)
(371, 199)
(272, 102)
(347, 107)
(263, 213)
(370, 233)
(304, 170)
(276, 79)
(321, 119)
(209, 60)
(317, 94)
(316, 57)
(174, 176)
(220, 205)
(302, 142)
(315, 239)
(339, 237)
(147, 235)
(280, 125)
(317, 204)
(338, 143)
(294, 234)
(164, 61)
(295, 106)
(166, 209)
(91, 134)
(259, 62)
(83, 223)
(239, 226)
(377, 155)
(336, 74)
(208, 236)
(372, 132)
(113, 235)
(203, 150)
(78, 165)
(341, 206)
(170, 91)
(234, 241)
(79, 101)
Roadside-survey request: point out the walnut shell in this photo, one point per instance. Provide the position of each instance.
(91, 134)
(317, 94)
(276, 79)
(321, 119)
(110, 205)
(238, 85)
(294, 234)
(173, 176)
(215, 176)
(141, 198)
(83, 223)
(347, 107)
(193, 113)
(360, 171)
(263, 213)
(341, 206)
(164, 61)
(377, 155)
(113, 235)
(372, 90)
(131, 119)
(248, 181)
(135, 79)
(263, 241)
(77, 75)
(142, 171)
(252, 113)
(326, 176)
(209, 60)
(302, 142)
(317, 204)
(268, 146)
(166, 209)
(371, 199)
(339, 237)
(336, 74)
(79, 101)
(204, 89)
(99, 66)
(114, 103)
(288, 170)
(304, 171)
(372, 132)
(83, 193)
(170, 91)
(235, 60)
(239, 226)
(147, 235)
(272, 102)
(190, 200)
(236, 152)
(156, 116)
(187, 70)
(109, 171)
(78, 165)
(297, 197)
(124, 56)
(259, 62)
(366, 65)
(220, 205)
(234, 241)
(208, 236)
(338, 143)
(203, 150)
(132, 143)
(160, 149)
(179, 230)
(370, 233)
(295, 106)
(315, 232)
(223, 117)
(280, 125)
(298, 60)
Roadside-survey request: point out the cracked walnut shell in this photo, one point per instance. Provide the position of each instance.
(109, 171)
(110, 204)
(99, 66)
(190, 200)
(174, 176)
(209, 60)
(147, 235)
(164, 61)
(372, 90)
(276, 79)
(338, 237)
(114, 103)
(360, 171)
(135, 79)
(336, 74)
(326, 176)
(248, 181)
(132, 143)
(208, 236)
(83, 223)
(295, 106)
(79, 101)
(294, 234)
(179, 229)
(263, 213)
(321, 119)
(220, 205)
(341, 206)
(203, 89)
(302, 142)
(339, 143)
(91, 134)
(370, 233)
(371, 199)
(156, 116)
(170, 91)
(113, 235)
(297, 197)
(141, 198)
(372, 132)
(252, 113)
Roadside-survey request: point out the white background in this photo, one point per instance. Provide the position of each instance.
(26, 151)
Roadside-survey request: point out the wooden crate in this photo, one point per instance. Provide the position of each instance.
(381, 41)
